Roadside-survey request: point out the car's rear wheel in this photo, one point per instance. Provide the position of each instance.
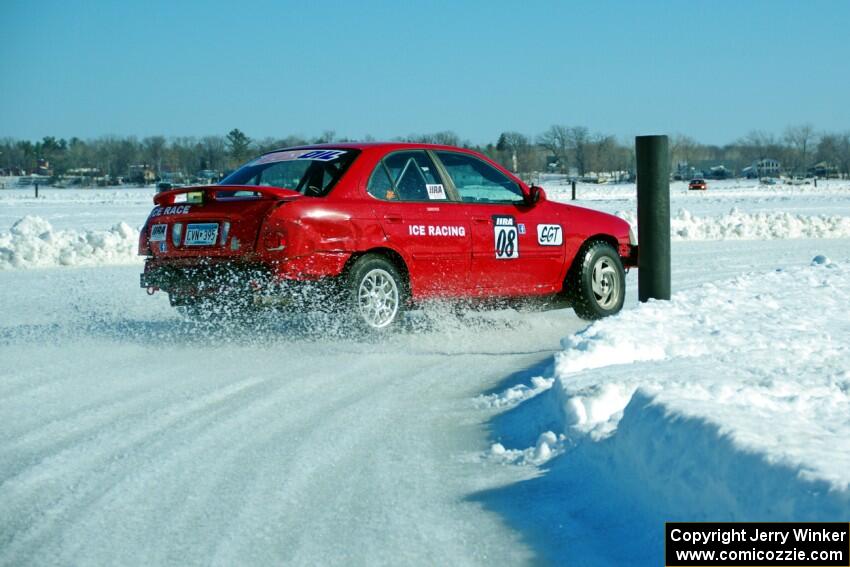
(377, 293)
(597, 282)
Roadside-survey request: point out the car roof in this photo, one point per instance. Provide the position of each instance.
(367, 145)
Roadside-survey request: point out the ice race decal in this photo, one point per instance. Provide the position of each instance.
(505, 233)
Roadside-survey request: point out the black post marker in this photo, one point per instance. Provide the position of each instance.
(653, 211)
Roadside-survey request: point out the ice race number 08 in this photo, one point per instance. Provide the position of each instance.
(507, 239)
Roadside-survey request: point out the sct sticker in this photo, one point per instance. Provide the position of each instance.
(550, 235)
(436, 191)
(505, 233)
(158, 232)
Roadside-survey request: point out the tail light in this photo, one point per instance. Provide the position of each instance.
(176, 233)
(225, 231)
(274, 240)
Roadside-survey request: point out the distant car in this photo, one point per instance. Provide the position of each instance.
(799, 180)
(383, 226)
(697, 184)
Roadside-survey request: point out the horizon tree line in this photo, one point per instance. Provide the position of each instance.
(561, 148)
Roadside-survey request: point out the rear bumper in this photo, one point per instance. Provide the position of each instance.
(168, 273)
(200, 277)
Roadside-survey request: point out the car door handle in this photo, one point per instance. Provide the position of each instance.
(392, 218)
(481, 220)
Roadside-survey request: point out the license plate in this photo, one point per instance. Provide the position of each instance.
(204, 234)
(158, 232)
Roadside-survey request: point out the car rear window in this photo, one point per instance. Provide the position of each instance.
(310, 171)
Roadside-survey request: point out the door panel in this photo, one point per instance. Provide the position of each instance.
(508, 256)
(420, 218)
(436, 238)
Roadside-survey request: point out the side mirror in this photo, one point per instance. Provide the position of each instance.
(536, 194)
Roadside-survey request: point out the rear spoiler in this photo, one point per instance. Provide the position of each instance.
(211, 193)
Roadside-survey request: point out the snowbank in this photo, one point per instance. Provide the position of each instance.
(33, 243)
(738, 225)
(731, 402)
(764, 358)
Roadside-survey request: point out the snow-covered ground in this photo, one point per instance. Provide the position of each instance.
(133, 437)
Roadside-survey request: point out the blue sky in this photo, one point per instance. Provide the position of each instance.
(714, 70)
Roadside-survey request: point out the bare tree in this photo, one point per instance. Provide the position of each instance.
(556, 140)
(834, 149)
(514, 151)
(800, 139)
(154, 151)
(683, 149)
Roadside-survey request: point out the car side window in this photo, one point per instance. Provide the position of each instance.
(479, 182)
(380, 185)
(406, 176)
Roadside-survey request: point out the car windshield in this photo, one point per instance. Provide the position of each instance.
(312, 171)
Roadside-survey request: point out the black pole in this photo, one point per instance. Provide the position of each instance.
(653, 208)
(36, 189)
(574, 189)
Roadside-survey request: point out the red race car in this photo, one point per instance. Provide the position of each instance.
(697, 185)
(373, 228)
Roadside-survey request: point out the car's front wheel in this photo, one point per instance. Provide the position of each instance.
(377, 293)
(598, 282)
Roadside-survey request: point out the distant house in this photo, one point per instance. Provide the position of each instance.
(174, 177)
(719, 172)
(142, 174)
(208, 176)
(823, 169)
(84, 172)
(43, 168)
(685, 171)
(765, 167)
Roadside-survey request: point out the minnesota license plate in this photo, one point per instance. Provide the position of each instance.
(201, 234)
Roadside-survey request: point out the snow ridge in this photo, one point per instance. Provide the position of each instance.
(714, 353)
(728, 403)
(32, 242)
(737, 225)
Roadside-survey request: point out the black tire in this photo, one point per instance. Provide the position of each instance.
(587, 303)
(385, 310)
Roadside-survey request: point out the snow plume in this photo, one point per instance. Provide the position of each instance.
(737, 225)
(33, 243)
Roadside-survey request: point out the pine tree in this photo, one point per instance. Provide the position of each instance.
(239, 145)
